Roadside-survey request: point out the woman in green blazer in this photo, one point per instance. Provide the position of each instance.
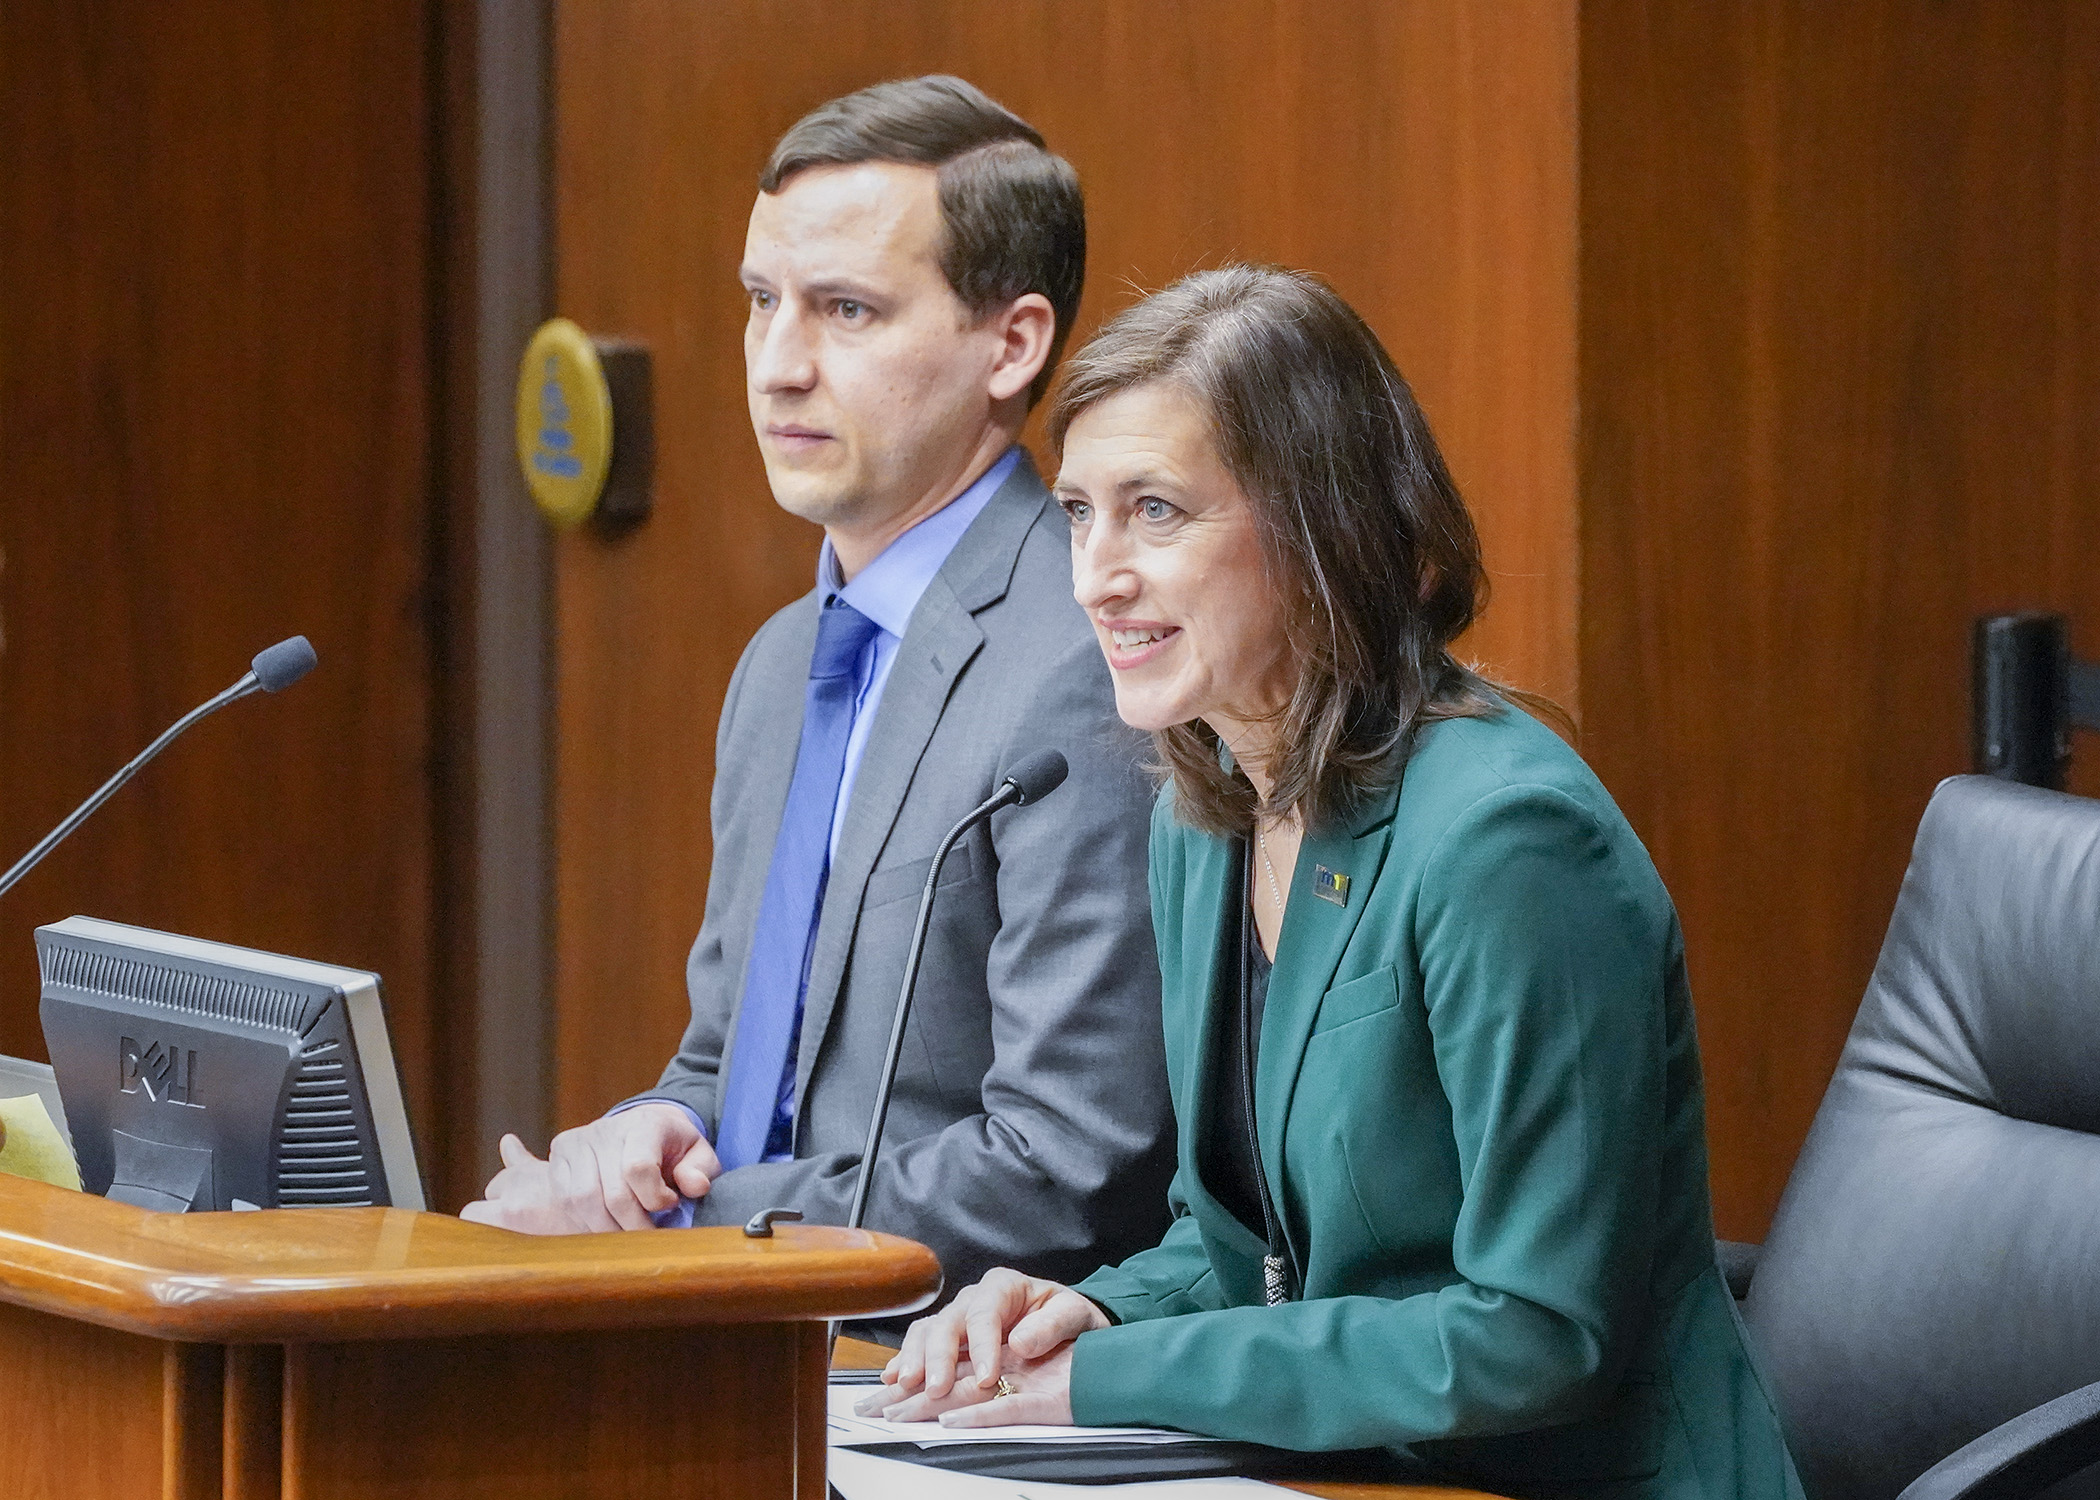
(1442, 1182)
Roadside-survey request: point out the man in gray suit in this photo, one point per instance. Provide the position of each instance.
(913, 264)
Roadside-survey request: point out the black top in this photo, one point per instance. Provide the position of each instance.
(1226, 1153)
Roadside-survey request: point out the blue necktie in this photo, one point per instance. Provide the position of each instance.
(762, 1061)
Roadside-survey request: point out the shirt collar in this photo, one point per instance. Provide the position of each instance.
(887, 590)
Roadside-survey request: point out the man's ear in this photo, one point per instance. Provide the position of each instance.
(1026, 328)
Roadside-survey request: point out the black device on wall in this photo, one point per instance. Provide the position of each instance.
(2028, 693)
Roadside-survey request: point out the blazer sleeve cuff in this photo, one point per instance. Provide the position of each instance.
(1112, 1370)
(1120, 1295)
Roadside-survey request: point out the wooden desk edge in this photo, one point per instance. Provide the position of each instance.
(315, 1275)
(186, 1313)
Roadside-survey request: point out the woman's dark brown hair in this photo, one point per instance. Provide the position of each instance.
(1363, 534)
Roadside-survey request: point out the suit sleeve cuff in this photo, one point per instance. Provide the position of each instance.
(680, 1214)
(639, 1100)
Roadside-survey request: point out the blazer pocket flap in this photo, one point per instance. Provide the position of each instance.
(896, 882)
(1376, 991)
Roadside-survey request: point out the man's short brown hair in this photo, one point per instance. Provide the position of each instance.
(1012, 217)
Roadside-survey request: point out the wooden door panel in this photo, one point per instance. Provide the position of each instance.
(1840, 395)
(214, 371)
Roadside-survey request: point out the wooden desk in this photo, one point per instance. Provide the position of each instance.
(353, 1354)
(855, 1354)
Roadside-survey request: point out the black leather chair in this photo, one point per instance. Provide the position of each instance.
(1927, 1305)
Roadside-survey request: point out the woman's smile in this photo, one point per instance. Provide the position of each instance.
(1130, 644)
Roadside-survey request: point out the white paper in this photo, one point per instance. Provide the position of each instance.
(861, 1476)
(845, 1430)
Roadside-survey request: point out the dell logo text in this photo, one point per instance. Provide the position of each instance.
(166, 1075)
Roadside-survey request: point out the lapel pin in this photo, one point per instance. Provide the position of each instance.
(1330, 885)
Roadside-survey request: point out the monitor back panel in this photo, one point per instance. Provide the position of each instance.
(198, 1075)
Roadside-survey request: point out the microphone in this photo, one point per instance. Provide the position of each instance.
(277, 667)
(1035, 778)
(272, 671)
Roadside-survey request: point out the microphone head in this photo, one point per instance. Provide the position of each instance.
(1037, 776)
(283, 664)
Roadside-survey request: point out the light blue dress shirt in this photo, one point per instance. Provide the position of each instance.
(887, 590)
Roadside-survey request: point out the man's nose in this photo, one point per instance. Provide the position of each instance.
(783, 357)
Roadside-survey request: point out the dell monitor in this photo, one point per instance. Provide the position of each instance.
(197, 1075)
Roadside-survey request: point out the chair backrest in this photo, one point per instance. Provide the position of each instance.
(1934, 1267)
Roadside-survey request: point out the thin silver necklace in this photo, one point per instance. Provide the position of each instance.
(1261, 843)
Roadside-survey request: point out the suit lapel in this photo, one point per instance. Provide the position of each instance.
(1316, 932)
(1211, 882)
(774, 706)
(941, 640)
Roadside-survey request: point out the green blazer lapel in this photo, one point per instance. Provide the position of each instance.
(1212, 884)
(1317, 925)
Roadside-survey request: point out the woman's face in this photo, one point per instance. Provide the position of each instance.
(1166, 564)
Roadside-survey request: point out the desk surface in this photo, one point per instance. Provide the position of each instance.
(855, 1354)
(325, 1274)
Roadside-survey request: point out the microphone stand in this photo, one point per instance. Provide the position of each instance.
(86, 809)
(284, 666)
(1028, 784)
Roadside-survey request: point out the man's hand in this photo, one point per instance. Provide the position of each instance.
(1008, 1323)
(610, 1174)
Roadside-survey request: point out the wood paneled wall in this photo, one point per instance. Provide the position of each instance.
(1420, 154)
(216, 354)
(1762, 336)
(1840, 393)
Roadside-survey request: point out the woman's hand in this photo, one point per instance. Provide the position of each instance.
(1010, 1324)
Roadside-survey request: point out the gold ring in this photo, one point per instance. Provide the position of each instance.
(1005, 1387)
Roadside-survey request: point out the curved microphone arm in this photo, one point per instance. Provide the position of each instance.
(274, 670)
(1035, 778)
(80, 814)
(1006, 796)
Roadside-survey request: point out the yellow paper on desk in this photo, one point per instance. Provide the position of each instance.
(30, 1145)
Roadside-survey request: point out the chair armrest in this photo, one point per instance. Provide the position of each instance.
(2019, 1458)
(1738, 1263)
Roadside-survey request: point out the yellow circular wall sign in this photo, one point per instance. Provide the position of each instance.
(565, 422)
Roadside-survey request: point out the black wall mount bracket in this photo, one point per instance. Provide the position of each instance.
(2027, 694)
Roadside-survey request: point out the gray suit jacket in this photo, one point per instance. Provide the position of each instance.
(1030, 1125)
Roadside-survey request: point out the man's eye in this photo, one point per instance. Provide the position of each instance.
(1155, 510)
(851, 311)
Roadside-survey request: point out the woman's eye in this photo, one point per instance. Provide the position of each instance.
(762, 301)
(851, 311)
(1155, 510)
(1078, 512)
